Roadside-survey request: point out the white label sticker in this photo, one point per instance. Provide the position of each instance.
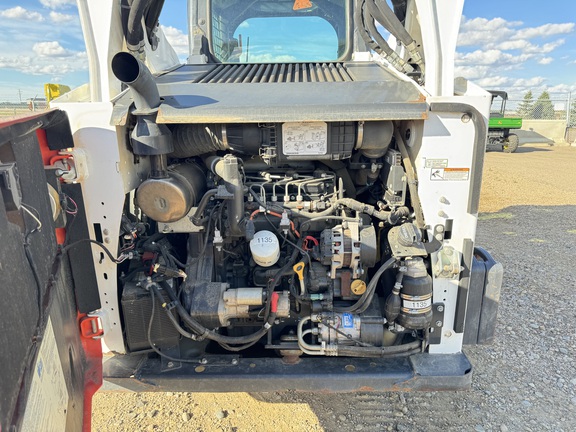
(436, 163)
(449, 174)
(48, 398)
(305, 138)
(422, 304)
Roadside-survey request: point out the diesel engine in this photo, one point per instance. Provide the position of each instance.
(301, 238)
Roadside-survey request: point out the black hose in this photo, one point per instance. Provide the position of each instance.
(197, 218)
(134, 32)
(359, 21)
(386, 351)
(153, 294)
(364, 301)
(203, 332)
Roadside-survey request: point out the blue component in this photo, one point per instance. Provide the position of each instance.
(347, 320)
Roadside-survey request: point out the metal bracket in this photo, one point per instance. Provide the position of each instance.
(227, 360)
(91, 327)
(76, 170)
(437, 323)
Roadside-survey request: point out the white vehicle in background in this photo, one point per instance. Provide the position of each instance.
(295, 207)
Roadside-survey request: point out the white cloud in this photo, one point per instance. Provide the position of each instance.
(245, 24)
(544, 31)
(58, 4)
(177, 38)
(529, 82)
(51, 49)
(35, 66)
(57, 17)
(494, 82)
(20, 13)
(489, 50)
(490, 57)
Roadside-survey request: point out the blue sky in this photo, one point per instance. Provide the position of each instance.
(513, 45)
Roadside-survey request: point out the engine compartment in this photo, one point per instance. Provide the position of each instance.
(273, 239)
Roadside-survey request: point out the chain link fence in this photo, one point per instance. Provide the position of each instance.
(11, 106)
(543, 109)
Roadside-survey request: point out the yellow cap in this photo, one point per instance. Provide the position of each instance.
(358, 287)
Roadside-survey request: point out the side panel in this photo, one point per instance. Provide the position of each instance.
(44, 362)
(449, 178)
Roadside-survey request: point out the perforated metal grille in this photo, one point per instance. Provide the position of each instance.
(277, 73)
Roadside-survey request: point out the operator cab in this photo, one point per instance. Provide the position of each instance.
(279, 31)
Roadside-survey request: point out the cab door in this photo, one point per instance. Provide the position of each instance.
(50, 356)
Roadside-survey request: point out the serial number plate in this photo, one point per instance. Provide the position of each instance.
(305, 138)
(423, 304)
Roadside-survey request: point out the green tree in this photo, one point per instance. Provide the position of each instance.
(543, 108)
(525, 108)
(572, 119)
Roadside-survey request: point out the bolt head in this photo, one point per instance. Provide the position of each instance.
(439, 323)
(440, 308)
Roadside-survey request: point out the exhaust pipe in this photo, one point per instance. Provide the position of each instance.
(168, 194)
(148, 138)
(137, 76)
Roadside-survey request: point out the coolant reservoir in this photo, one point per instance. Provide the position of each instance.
(265, 248)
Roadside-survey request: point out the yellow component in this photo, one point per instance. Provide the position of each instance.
(358, 287)
(299, 270)
(52, 91)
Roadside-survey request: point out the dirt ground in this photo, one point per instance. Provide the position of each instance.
(534, 175)
(514, 388)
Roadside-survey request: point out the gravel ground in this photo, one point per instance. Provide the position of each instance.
(525, 381)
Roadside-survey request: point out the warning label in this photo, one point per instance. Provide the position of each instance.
(450, 174)
(305, 138)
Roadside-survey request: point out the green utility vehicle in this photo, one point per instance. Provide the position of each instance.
(499, 126)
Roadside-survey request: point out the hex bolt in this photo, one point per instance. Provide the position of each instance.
(203, 361)
(438, 323)
(234, 362)
(170, 364)
(440, 308)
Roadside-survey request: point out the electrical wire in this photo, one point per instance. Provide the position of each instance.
(30, 258)
(149, 334)
(101, 245)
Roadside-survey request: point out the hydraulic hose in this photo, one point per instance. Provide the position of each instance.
(364, 301)
(197, 218)
(134, 30)
(380, 10)
(386, 351)
(202, 331)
